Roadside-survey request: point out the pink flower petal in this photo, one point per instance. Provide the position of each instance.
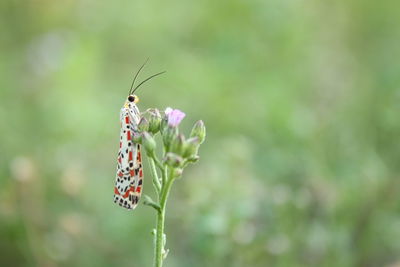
(168, 110)
(175, 116)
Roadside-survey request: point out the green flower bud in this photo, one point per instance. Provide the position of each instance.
(178, 144)
(177, 172)
(193, 159)
(143, 125)
(169, 135)
(163, 124)
(199, 130)
(191, 147)
(154, 120)
(148, 143)
(173, 160)
(137, 138)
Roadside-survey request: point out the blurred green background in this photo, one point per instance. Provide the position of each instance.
(301, 102)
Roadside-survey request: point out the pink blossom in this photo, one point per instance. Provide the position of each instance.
(175, 116)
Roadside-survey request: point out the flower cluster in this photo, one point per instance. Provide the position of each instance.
(178, 150)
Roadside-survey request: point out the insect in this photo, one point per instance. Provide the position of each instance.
(129, 179)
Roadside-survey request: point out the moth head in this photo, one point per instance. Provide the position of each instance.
(133, 99)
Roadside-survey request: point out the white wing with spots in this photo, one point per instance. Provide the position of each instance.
(129, 178)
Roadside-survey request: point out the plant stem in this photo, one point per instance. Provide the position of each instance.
(158, 163)
(159, 243)
(164, 175)
(159, 236)
(155, 180)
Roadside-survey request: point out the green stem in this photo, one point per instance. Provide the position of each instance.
(159, 242)
(155, 180)
(164, 175)
(158, 163)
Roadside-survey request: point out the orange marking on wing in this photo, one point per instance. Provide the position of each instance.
(130, 155)
(119, 159)
(138, 189)
(116, 191)
(120, 174)
(128, 135)
(132, 173)
(131, 189)
(127, 119)
(140, 173)
(139, 156)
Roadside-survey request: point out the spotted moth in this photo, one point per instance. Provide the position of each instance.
(129, 178)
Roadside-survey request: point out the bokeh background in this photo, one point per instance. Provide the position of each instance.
(301, 102)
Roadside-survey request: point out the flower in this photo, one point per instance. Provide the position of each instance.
(173, 160)
(154, 120)
(143, 125)
(168, 110)
(199, 130)
(191, 147)
(174, 116)
(177, 144)
(148, 143)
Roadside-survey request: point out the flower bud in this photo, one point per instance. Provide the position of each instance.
(177, 144)
(163, 124)
(173, 160)
(177, 172)
(199, 130)
(148, 143)
(154, 121)
(164, 121)
(137, 138)
(169, 135)
(193, 159)
(143, 125)
(191, 147)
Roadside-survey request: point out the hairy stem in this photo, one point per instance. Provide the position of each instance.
(155, 179)
(158, 163)
(159, 242)
(164, 175)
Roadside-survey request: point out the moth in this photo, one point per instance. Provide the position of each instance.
(129, 178)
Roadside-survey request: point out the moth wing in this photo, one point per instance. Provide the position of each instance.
(128, 182)
(136, 170)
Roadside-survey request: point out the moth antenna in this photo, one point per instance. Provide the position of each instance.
(137, 73)
(152, 76)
